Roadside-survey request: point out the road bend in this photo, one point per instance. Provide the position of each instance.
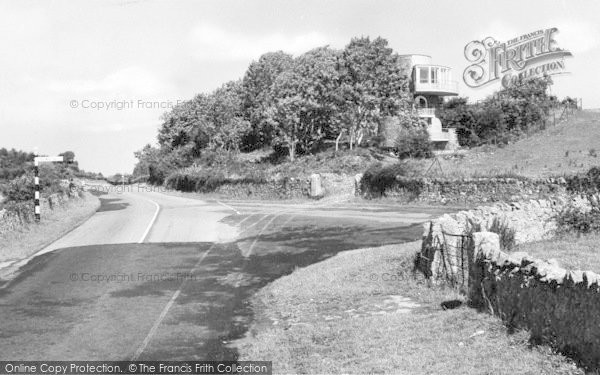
(152, 276)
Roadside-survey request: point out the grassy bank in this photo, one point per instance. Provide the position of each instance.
(53, 225)
(572, 251)
(363, 312)
(570, 147)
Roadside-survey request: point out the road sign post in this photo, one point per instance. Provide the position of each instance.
(36, 172)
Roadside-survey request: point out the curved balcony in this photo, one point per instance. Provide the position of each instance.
(444, 88)
(434, 80)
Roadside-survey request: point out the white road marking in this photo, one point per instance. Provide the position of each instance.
(241, 275)
(143, 238)
(166, 309)
(228, 206)
(243, 220)
(257, 221)
(264, 228)
(169, 304)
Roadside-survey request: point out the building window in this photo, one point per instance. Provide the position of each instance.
(421, 101)
(424, 75)
(434, 75)
(444, 74)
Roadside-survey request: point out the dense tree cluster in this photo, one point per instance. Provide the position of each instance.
(290, 103)
(518, 109)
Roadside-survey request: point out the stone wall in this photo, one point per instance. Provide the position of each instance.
(472, 190)
(558, 307)
(288, 188)
(440, 254)
(22, 214)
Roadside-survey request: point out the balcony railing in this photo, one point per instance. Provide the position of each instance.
(448, 87)
(426, 111)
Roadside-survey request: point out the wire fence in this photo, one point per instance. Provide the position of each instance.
(446, 257)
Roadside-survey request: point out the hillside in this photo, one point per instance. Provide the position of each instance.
(570, 147)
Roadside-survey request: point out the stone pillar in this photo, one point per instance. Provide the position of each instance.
(316, 189)
(484, 246)
(357, 178)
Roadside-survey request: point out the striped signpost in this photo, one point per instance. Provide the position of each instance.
(36, 172)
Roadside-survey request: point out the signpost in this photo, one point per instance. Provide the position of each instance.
(36, 162)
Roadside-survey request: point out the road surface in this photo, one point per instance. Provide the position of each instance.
(152, 276)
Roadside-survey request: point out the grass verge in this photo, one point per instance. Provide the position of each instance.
(53, 225)
(572, 251)
(363, 311)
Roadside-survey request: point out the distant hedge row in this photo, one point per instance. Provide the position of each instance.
(378, 179)
(206, 181)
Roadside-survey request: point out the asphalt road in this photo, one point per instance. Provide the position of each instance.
(155, 276)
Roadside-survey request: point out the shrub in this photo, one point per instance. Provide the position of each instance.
(414, 143)
(521, 108)
(581, 216)
(19, 189)
(206, 180)
(587, 184)
(379, 179)
(506, 234)
(576, 221)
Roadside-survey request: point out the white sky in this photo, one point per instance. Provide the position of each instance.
(56, 52)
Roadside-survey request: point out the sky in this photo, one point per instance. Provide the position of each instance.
(94, 77)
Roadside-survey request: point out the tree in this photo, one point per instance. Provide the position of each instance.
(256, 84)
(303, 101)
(225, 120)
(185, 127)
(68, 156)
(372, 85)
(285, 111)
(317, 80)
(147, 157)
(456, 113)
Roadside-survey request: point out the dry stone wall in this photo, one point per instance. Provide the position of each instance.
(533, 220)
(289, 188)
(471, 191)
(557, 306)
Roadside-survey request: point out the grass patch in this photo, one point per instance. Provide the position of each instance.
(573, 251)
(336, 317)
(54, 224)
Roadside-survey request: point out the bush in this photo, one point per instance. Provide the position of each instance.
(581, 216)
(521, 108)
(414, 143)
(506, 234)
(587, 184)
(581, 222)
(379, 179)
(20, 189)
(206, 180)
